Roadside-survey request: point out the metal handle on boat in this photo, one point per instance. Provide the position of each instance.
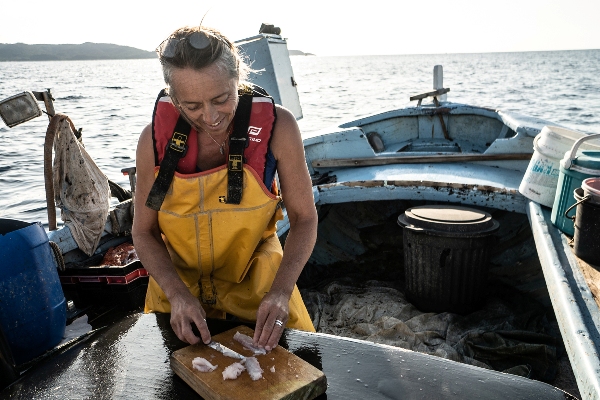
(568, 160)
(575, 205)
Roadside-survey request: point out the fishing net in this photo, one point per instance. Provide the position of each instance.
(508, 334)
(81, 190)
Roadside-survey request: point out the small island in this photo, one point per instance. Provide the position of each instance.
(59, 52)
(299, 53)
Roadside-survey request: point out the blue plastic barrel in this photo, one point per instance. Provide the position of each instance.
(32, 303)
(8, 373)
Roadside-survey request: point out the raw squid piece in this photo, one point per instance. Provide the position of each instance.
(246, 341)
(233, 371)
(253, 367)
(203, 365)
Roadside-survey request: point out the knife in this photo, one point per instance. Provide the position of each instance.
(226, 351)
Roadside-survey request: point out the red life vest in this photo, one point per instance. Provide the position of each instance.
(260, 129)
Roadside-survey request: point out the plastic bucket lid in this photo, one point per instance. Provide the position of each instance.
(449, 220)
(591, 186)
(554, 141)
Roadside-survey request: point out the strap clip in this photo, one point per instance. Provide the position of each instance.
(177, 143)
(245, 90)
(235, 163)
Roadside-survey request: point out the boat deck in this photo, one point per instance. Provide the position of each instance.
(573, 288)
(130, 359)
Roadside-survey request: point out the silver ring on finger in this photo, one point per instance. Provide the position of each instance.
(279, 322)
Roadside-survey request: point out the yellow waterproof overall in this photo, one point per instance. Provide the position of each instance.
(226, 254)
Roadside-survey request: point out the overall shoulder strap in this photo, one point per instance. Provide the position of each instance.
(176, 148)
(237, 144)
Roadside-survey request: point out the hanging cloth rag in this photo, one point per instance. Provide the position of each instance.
(81, 190)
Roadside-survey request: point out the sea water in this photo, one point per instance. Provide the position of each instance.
(113, 100)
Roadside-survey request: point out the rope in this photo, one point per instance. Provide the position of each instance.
(53, 128)
(57, 255)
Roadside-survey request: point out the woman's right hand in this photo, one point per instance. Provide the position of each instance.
(150, 247)
(185, 311)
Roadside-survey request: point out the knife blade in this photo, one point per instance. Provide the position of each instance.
(226, 351)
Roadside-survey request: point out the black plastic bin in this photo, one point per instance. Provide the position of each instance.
(587, 229)
(446, 256)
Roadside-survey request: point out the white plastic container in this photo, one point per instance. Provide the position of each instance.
(541, 178)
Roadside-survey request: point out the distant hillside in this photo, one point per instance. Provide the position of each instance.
(84, 51)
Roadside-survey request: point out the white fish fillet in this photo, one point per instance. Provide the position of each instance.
(246, 341)
(253, 367)
(233, 371)
(202, 365)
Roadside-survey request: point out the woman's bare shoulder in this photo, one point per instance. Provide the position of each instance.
(146, 133)
(286, 133)
(285, 117)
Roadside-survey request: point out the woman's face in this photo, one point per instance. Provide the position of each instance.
(208, 97)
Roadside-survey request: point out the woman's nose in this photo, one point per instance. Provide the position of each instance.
(210, 116)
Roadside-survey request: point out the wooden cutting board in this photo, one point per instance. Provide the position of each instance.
(293, 378)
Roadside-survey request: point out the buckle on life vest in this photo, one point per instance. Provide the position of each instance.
(208, 292)
(245, 89)
(235, 163)
(177, 142)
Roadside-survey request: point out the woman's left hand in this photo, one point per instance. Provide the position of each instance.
(296, 189)
(271, 318)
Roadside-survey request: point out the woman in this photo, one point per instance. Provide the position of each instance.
(207, 234)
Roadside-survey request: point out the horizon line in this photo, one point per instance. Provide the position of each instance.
(310, 54)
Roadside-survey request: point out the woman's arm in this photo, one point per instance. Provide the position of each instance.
(185, 308)
(296, 190)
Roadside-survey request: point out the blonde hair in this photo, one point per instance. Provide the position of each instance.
(220, 50)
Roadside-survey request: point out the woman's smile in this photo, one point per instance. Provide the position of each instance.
(207, 98)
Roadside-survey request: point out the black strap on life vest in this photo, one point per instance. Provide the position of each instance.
(237, 144)
(176, 148)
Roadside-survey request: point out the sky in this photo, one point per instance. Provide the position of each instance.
(323, 27)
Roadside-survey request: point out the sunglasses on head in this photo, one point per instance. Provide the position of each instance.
(198, 40)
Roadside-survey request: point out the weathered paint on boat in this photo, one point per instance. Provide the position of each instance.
(465, 183)
(473, 129)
